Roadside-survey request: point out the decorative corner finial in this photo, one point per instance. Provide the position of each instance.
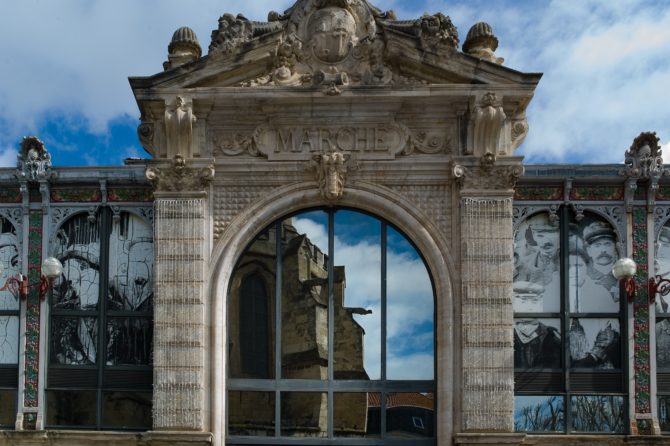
(482, 43)
(33, 161)
(644, 158)
(184, 48)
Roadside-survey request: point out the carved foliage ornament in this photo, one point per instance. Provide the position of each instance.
(33, 161)
(488, 175)
(644, 158)
(330, 169)
(179, 177)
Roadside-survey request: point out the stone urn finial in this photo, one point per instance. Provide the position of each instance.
(184, 48)
(482, 43)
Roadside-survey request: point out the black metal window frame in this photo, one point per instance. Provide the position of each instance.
(331, 386)
(538, 377)
(100, 378)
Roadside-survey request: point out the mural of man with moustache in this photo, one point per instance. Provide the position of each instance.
(601, 247)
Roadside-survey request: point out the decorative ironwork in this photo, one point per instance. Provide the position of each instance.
(143, 195)
(33, 313)
(600, 193)
(535, 193)
(85, 195)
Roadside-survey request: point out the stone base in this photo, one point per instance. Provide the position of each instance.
(491, 439)
(98, 438)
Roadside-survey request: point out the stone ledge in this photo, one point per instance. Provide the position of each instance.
(103, 438)
(492, 439)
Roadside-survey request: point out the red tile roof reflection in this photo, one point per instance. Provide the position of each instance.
(422, 400)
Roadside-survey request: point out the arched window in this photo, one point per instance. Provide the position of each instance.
(9, 323)
(345, 308)
(569, 326)
(100, 335)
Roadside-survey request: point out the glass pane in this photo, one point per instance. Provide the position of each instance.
(410, 312)
(9, 263)
(664, 412)
(9, 339)
(127, 410)
(595, 343)
(74, 340)
(537, 287)
(251, 413)
(356, 415)
(663, 344)
(251, 310)
(304, 414)
(305, 296)
(537, 343)
(410, 415)
(593, 288)
(7, 407)
(71, 408)
(131, 254)
(77, 246)
(357, 292)
(595, 413)
(662, 264)
(129, 341)
(539, 413)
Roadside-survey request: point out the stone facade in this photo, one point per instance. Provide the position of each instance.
(332, 104)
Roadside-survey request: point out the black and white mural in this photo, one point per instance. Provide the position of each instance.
(9, 302)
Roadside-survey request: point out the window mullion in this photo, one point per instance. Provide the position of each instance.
(105, 230)
(278, 322)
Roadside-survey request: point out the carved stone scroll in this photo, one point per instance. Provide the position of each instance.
(486, 126)
(179, 122)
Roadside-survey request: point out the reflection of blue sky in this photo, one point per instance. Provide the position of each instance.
(409, 291)
(9, 339)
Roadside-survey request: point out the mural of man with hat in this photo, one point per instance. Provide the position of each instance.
(601, 247)
(586, 296)
(663, 266)
(536, 279)
(9, 259)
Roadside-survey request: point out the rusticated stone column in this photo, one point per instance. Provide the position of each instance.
(486, 293)
(181, 215)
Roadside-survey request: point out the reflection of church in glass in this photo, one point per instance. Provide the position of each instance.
(304, 345)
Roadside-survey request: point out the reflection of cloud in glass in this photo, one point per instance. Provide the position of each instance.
(410, 303)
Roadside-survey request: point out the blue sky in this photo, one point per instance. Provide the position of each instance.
(65, 65)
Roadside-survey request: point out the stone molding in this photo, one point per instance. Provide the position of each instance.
(104, 438)
(180, 175)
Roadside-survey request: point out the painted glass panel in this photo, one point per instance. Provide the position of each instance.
(129, 341)
(357, 293)
(71, 408)
(130, 264)
(77, 246)
(663, 344)
(304, 294)
(356, 415)
(10, 264)
(662, 265)
(410, 327)
(598, 413)
(410, 415)
(9, 339)
(537, 287)
(74, 340)
(7, 407)
(537, 344)
(664, 412)
(593, 251)
(544, 413)
(595, 343)
(304, 414)
(251, 413)
(127, 410)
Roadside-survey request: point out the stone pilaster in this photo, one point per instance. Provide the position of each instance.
(180, 238)
(486, 292)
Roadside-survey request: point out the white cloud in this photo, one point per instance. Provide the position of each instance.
(410, 303)
(8, 158)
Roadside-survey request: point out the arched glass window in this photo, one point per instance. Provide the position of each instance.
(9, 323)
(569, 326)
(343, 308)
(100, 335)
